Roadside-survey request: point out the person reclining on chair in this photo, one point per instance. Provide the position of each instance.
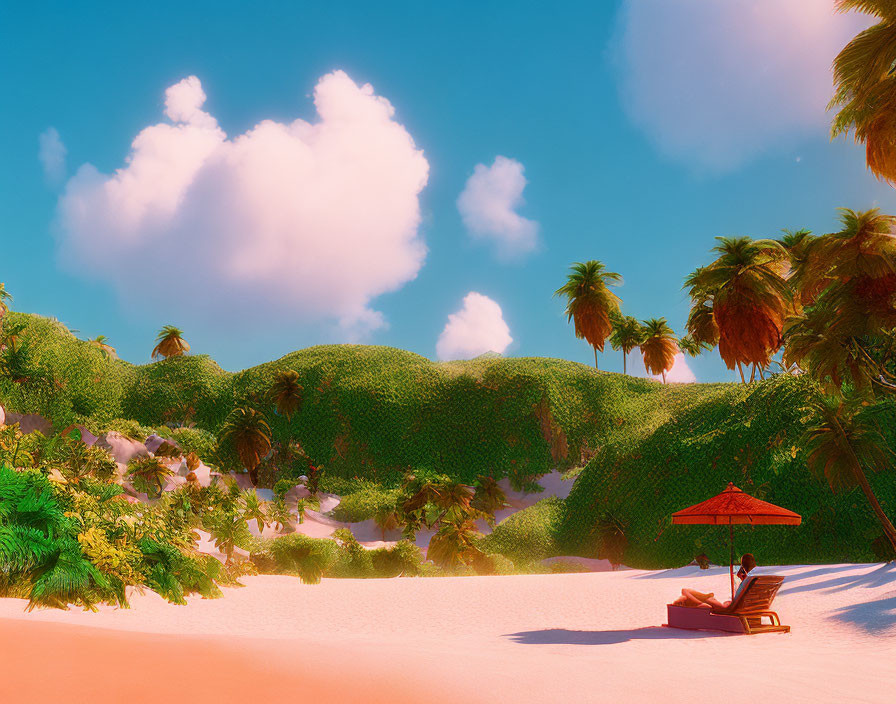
(693, 598)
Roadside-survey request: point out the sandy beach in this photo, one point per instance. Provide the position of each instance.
(594, 637)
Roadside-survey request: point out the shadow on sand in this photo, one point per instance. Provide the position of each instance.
(879, 577)
(873, 616)
(562, 636)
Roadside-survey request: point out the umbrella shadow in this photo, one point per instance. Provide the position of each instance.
(563, 636)
(883, 575)
(872, 616)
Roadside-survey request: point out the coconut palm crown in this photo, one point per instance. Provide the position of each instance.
(170, 343)
(749, 298)
(658, 347)
(100, 342)
(865, 87)
(627, 334)
(590, 302)
(248, 431)
(286, 392)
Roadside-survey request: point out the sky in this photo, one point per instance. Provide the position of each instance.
(271, 176)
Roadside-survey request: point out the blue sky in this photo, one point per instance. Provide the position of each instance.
(627, 151)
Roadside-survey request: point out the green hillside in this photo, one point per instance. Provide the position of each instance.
(372, 412)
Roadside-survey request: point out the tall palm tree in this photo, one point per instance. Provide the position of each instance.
(286, 392)
(692, 347)
(843, 440)
(590, 302)
(749, 298)
(103, 346)
(5, 297)
(862, 255)
(865, 87)
(658, 347)
(248, 431)
(170, 343)
(626, 335)
(848, 283)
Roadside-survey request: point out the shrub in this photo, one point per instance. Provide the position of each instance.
(307, 557)
(529, 535)
(365, 502)
(402, 560)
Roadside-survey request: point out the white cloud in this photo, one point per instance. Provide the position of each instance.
(488, 206)
(51, 152)
(308, 220)
(478, 327)
(716, 82)
(680, 373)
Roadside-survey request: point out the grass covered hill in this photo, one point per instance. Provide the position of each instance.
(373, 412)
(366, 410)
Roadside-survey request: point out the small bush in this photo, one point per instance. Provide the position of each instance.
(528, 535)
(364, 503)
(307, 557)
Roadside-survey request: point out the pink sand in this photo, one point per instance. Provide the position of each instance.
(535, 638)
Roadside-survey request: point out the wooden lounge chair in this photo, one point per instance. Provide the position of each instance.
(743, 615)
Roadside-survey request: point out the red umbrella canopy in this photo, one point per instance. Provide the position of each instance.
(733, 507)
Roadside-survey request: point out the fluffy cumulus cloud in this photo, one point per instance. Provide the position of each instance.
(51, 152)
(488, 207)
(478, 327)
(715, 82)
(309, 219)
(680, 373)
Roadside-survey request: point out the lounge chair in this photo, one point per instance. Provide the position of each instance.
(743, 615)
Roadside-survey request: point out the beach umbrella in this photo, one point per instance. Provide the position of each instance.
(733, 507)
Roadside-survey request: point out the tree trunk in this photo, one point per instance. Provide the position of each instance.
(624, 369)
(253, 476)
(664, 376)
(761, 375)
(741, 370)
(595, 357)
(753, 374)
(886, 524)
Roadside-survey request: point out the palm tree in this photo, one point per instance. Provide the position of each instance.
(103, 346)
(5, 297)
(302, 505)
(286, 392)
(248, 431)
(861, 256)
(749, 299)
(626, 335)
(848, 281)
(865, 87)
(454, 544)
(387, 518)
(229, 530)
(170, 343)
(693, 347)
(843, 440)
(252, 509)
(148, 472)
(658, 347)
(590, 302)
(489, 497)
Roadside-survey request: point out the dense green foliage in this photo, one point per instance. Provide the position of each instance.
(745, 434)
(529, 535)
(368, 414)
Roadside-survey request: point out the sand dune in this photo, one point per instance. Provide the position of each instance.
(535, 638)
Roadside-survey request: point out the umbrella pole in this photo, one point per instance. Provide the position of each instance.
(731, 564)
